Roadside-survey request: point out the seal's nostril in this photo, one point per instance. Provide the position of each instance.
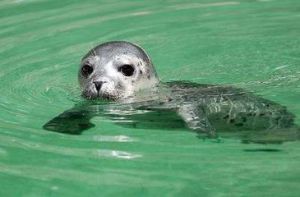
(98, 85)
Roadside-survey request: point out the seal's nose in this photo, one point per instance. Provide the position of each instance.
(98, 85)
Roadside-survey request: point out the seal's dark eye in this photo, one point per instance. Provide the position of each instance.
(86, 70)
(126, 70)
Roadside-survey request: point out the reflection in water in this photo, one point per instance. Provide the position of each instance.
(262, 150)
(209, 110)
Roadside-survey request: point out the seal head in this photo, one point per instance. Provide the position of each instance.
(116, 70)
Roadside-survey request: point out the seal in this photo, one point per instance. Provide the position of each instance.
(123, 73)
(116, 70)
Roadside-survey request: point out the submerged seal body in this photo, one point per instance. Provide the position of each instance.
(122, 72)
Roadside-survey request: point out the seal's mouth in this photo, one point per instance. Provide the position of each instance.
(106, 97)
(99, 96)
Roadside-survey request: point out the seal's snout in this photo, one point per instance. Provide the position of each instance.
(98, 85)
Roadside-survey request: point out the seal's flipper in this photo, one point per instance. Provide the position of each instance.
(196, 119)
(73, 121)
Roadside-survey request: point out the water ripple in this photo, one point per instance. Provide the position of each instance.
(250, 44)
(117, 138)
(117, 154)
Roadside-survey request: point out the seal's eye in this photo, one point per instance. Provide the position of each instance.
(126, 70)
(86, 70)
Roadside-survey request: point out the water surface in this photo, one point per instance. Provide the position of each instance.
(249, 44)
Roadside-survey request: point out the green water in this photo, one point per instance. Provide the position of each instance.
(250, 44)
